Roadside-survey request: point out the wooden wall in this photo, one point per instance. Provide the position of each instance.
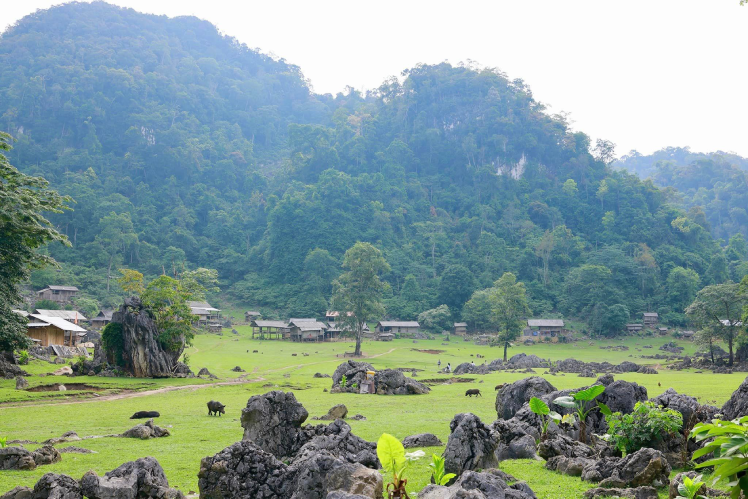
(49, 335)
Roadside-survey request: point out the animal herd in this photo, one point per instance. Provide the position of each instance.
(214, 409)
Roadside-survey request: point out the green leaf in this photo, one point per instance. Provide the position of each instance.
(555, 416)
(390, 452)
(446, 478)
(566, 401)
(604, 409)
(589, 393)
(539, 407)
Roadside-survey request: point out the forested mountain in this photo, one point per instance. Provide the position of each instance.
(715, 184)
(184, 148)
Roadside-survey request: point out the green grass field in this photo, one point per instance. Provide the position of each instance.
(40, 415)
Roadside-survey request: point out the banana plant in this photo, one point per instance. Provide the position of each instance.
(546, 415)
(730, 448)
(580, 402)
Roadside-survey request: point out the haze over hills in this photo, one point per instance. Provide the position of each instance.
(184, 148)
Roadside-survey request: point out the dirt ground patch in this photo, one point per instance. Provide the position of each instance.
(55, 387)
(434, 352)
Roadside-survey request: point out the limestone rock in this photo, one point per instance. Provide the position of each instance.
(471, 445)
(643, 467)
(512, 396)
(273, 422)
(561, 445)
(9, 368)
(473, 485)
(16, 458)
(422, 440)
(146, 431)
(386, 381)
(21, 383)
(143, 478)
(737, 406)
(54, 486)
(637, 493)
(524, 361)
(572, 466)
(339, 411)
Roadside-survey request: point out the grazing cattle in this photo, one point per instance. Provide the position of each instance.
(215, 408)
(499, 387)
(254, 351)
(145, 415)
(473, 391)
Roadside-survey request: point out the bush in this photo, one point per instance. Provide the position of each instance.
(728, 441)
(644, 427)
(23, 357)
(111, 341)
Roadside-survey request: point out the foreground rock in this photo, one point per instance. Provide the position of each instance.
(692, 411)
(386, 381)
(513, 396)
(737, 406)
(143, 478)
(244, 471)
(491, 484)
(422, 440)
(339, 411)
(637, 493)
(9, 369)
(142, 355)
(643, 467)
(18, 458)
(703, 491)
(273, 422)
(146, 431)
(51, 485)
(21, 383)
(471, 445)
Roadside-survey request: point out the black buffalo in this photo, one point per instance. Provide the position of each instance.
(145, 415)
(215, 408)
(473, 391)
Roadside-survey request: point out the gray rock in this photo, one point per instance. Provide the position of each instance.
(561, 445)
(204, 372)
(468, 368)
(19, 493)
(339, 494)
(54, 486)
(572, 466)
(143, 478)
(513, 396)
(9, 368)
(21, 383)
(422, 440)
(339, 411)
(472, 485)
(524, 361)
(146, 430)
(354, 372)
(72, 449)
(46, 455)
(637, 493)
(643, 467)
(737, 406)
(586, 373)
(386, 381)
(320, 375)
(471, 445)
(16, 458)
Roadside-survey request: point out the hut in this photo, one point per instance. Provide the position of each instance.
(263, 328)
(307, 330)
(251, 315)
(651, 319)
(69, 315)
(205, 312)
(58, 294)
(540, 329)
(101, 320)
(47, 331)
(633, 328)
(401, 327)
(459, 328)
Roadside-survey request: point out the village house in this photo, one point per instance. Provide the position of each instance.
(58, 294)
(264, 328)
(69, 315)
(251, 315)
(651, 319)
(634, 328)
(401, 327)
(205, 312)
(307, 330)
(459, 328)
(539, 329)
(47, 331)
(101, 320)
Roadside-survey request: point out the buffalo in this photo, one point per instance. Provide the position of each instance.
(215, 408)
(473, 391)
(145, 415)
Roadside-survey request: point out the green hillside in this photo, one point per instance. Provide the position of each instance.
(184, 148)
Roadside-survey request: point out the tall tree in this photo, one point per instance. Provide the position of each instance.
(23, 230)
(359, 288)
(720, 307)
(509, 308)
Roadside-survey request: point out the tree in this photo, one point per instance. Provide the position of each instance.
(544, 250)
(436, 320)
(23, 230)
(509, 308)
(456, 286)
(131, 281)
(166, 298)
(682, 285)
(720, 307)
(477, 311)
(359, 288)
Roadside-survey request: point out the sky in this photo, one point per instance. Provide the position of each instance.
(644, 74)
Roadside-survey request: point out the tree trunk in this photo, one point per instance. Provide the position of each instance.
(729, 343)
(506, 345)
(582, 431)
(359, 331)
(108, 273)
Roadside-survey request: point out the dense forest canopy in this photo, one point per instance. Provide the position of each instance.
(184, 148)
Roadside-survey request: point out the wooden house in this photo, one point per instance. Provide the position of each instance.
(101, 320)
(540, 329)
(251, 315)
(633, 328)
(69, 315)
(400, 327)
(205, 312)
(307, 330)
(47, 331)
(459, 328)
(264, 329)
(58, 294)
(651, 319)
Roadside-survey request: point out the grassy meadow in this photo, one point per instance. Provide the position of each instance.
(89, 411)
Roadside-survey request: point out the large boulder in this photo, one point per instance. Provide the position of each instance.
(572, 466)
(21, 383)
(491, 484)
(524, 361)
(737, 406)
(273, 422)
(18, 458)
(516, 439)
(561, 445)
(637, 493)
(143, 478)
(394, 382)
(354, 372)
(470, 368)
(471, 445)
(422, 440)
(142, 354)
(146, 430)
(513, 396)
(690, 408)
(54, 486)
(339, 411)
(643, 467)
(338, 440)
(9, 368)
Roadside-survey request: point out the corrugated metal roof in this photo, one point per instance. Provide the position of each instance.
(59, 288)
(398, 324)
(21, 312)
(460, 324)
(68, 315)
(59, 323)
(202, 305)
(307, 323)
(650, 314)
(545, 322)
(269, 324)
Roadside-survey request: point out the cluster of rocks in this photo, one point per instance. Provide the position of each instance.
(517, 362)
(288, 459)
(9, 367)
(143, 479)
(146, 430)
(386, 381)
(588, 369)
(489, 484)
(19, 458)
(671, 347)
(422, 440)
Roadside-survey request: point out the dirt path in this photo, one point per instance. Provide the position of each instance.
(146, 393)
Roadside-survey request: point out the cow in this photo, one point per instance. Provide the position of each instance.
(473, 391)
(215, 408)
(499, 387)
(145, 415)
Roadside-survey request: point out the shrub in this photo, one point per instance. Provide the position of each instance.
(580, 403)
(730, 448)
(644, 427)
(23, 357)
(438, 472)
(112, 342)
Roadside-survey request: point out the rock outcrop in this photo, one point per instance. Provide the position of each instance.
(339, 411)
(146, 430)
(512, 397)
(142, 355)
(386, 381)
(422, 440)
(471, 445)
(636, 493)
(21, 383)
(143, 478)
(643, 467)
(9, 368)
(737, 406)
(18, 458)
(490, 484)
(692, 411)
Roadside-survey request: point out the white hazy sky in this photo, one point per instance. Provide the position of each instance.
(644, 74)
